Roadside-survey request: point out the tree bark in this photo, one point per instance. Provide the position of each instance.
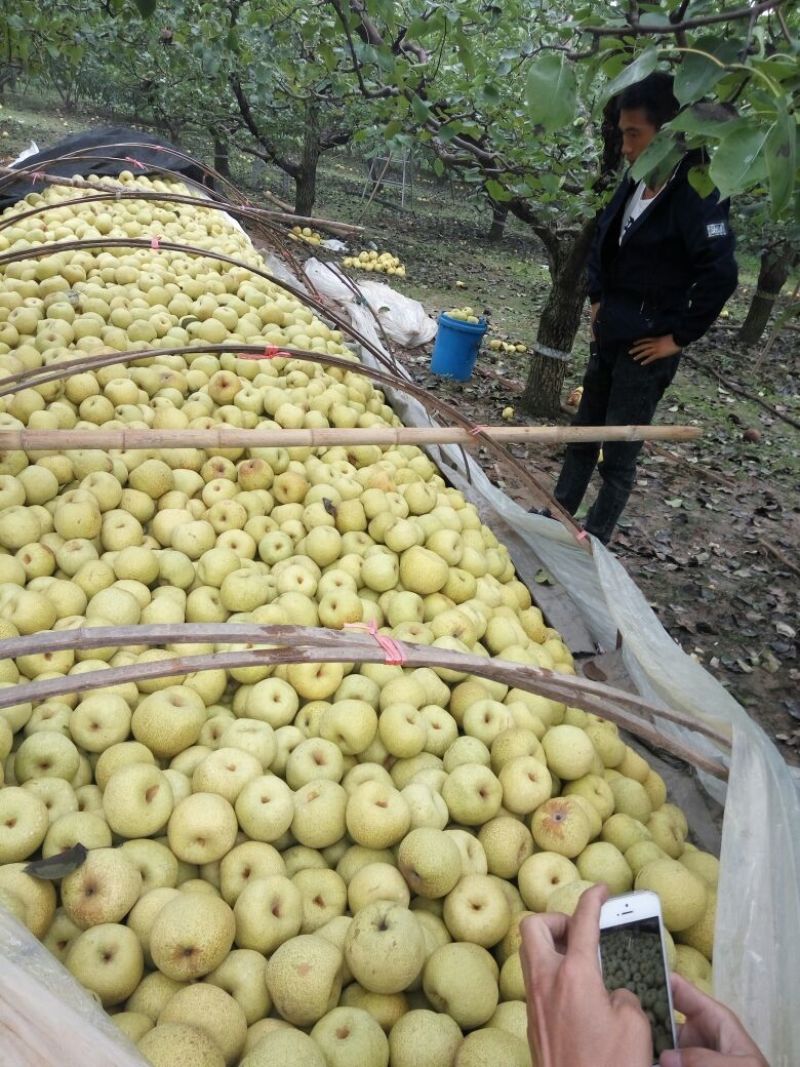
(499, 219)
(777, 261)
(306, 178)
(221, 153)
(559, 322)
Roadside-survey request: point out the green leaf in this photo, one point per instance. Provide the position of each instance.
(497, 191)
(700, 181)
(634, 72)
(781, 159)
(419, 108)
(146, 7)
(551, 91)
(657, 160)
(438, 167)
(738, 161)
(697, 74)
(695, 121)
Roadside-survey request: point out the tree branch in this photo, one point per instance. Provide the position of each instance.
(270, 154)
(645, 29)
(368, 94)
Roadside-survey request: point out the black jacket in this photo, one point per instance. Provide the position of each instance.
(673, 271)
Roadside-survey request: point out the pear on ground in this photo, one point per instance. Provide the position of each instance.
(704, 865)
(560, 825)
(596, 790)
(423, 1038)
(192, 935)
(385, 947)
(565, 899)
(304, 978)
(102, 890)
(350, 1035)
(700, 935)
(460, 985)
(569, 751)
(630, 798)
(666, 833)
(507, 843)
(285, 1045)
(683, 895)
(511, 1016)
(641, 853)
(602, 862)
(212, 1010)
(429, 861)
(691, 964)
(541, 874)
(490, 1047)
(385, 1008)
(176, 1045)
(623, 831)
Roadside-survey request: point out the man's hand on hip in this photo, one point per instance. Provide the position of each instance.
(650, 349)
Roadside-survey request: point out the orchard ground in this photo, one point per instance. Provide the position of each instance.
(708, 521)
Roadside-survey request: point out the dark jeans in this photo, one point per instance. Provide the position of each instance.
(617, 391)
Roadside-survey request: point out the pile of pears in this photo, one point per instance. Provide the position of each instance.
(305, 864)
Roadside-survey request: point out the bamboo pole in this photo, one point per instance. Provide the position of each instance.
(295, 644)
(235, 437)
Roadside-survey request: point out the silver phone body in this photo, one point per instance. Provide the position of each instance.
(633, 956)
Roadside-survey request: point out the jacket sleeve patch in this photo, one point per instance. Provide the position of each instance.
(716, 229)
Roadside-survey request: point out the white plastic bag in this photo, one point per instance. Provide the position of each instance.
(404, 320)
(26, 153)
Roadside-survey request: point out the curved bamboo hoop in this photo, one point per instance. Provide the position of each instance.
(246, 211)
(538, 489)
(297, 644)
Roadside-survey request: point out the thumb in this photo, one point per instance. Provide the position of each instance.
(687, 998)
(689, 1057)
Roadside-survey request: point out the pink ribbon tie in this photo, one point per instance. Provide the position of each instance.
(270, 352)
(395, 656)
(155, 243)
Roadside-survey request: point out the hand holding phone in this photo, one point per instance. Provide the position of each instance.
(712, 1035)
(572, 1018)
(633, 957)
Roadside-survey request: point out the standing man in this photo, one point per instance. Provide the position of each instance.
(660, 271)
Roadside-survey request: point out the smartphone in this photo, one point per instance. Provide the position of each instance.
(633, 956)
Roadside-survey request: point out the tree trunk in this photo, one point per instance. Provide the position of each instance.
(221, 153)
(561, 317)
(777, 261)
(499, 218)
(306, 178)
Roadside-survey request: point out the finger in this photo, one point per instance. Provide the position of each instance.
(625, 998)
(689, 1057)
(543, 933)
(583, 934)
(688, 998)
(704, 1015)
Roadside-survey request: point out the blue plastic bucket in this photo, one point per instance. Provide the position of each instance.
(456, 347)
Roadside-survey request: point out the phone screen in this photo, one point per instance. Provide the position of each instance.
(632, 958)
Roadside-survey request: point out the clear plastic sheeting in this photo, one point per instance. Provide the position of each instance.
(46, 1017)
(756, 961)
